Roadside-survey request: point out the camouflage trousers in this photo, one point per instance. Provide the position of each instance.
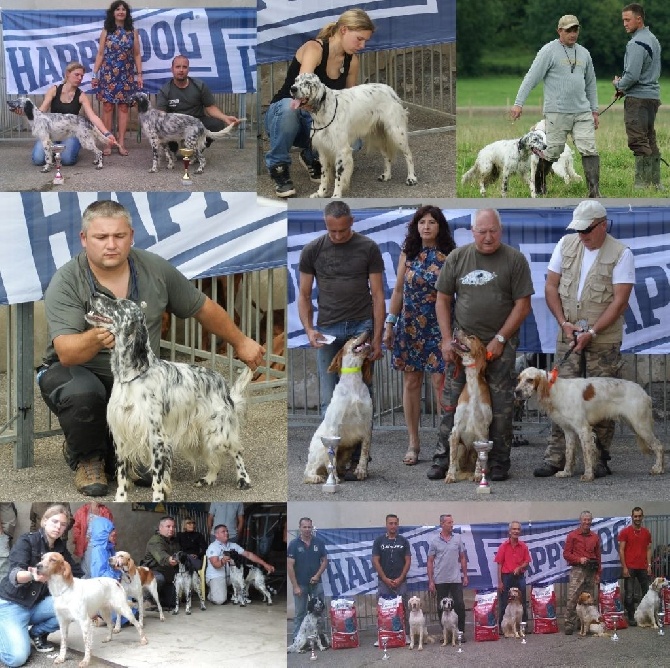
(602, 360)
(581, 579)
(501, 378)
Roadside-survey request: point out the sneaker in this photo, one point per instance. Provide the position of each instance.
(569, 630)
(436, 472)
(90, 478)
(546, 470)
(41, 644)
(283, 184)
(498, 475)
(631, 621)
(312, 166)
(601, 470)
(375, 643)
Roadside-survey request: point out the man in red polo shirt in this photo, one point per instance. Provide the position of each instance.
(512, 559)
(635, 557)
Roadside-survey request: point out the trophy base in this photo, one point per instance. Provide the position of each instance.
(58, 181)
(330, 488)
(187, 183)
(483, 490)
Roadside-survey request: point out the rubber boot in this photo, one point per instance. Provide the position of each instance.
(591, 165)
(541, 173)
(655, 172)
(640, 172)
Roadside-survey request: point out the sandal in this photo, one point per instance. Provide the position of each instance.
(411, 457)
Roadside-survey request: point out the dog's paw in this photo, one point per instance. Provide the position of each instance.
(46, 168)
(385, 177)
(199, 170)
(563, 474)
(450, 478)
(656, 470)
(153, 170)
(314, 479)
(411, 181)
(243, 484)
(361, 472)
(587, 476)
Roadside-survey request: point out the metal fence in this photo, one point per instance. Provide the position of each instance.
(366, 604)
(257, 300)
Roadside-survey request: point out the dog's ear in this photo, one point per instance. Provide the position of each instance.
(368, 370)
(542, 386)
(479, 353)
(336, 364)
(28, 110)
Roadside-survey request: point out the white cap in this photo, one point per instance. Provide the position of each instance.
(585, 213)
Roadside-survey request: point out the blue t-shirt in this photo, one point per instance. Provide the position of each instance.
(391, 553)
(307, 558)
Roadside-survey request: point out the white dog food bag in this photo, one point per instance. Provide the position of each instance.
(391, 622)
(543, 605)
(485, 613)
(343, 624)
(610, 606)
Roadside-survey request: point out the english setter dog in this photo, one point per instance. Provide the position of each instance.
(77, 600)
(564, 167)
(157, 407)
(449, 621)
(505, 157)
(473, 415)
(650, 605)
(236, 577)
(511, 621)
(311, 627)
(372, 112)
(256, 579)
(576, 404)
(349, 414)
(51, 128)
(417, 623)
(186, 581)
(591, 621)
(135, 580)
(162, 128)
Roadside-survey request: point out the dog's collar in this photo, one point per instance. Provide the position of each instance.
(350, 369)
(552, 376)
(331, 120)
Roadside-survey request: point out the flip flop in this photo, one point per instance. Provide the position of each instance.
(411, 457)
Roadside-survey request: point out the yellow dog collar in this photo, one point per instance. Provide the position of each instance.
(350, 369)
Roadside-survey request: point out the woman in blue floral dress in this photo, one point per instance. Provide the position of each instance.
(413, 332)
(119, 68)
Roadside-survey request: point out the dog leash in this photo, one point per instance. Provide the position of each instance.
(616, 97)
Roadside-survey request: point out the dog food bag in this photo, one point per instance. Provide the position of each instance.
(391, 622)
(665, 595)
(485, 612)
(343, 624)
(610, 606)
(543, 605)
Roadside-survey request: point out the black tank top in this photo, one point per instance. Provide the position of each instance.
(58, 107)
(319, 70)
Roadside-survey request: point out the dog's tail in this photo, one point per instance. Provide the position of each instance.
(238, 391)
(220, 133)
(379, 139)
(468, 175)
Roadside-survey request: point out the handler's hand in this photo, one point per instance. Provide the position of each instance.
(515, 112)
(250, 352)
(104, 337)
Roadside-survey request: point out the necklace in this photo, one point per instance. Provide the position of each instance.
(572, 65)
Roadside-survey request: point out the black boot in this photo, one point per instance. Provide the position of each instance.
(591, 165)
(282, 179)
(541, 173)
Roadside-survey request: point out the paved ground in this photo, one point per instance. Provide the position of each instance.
(219, 636)
(636, 647)
(228, 169)
(434, 159)
(391, 480)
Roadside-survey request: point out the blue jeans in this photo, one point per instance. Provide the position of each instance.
(67, 157)
(286, 127)
(300, 603)
(325, 354)
(511, 580)
(14, 623)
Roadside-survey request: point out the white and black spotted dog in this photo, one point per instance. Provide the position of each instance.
(52, 128)
(311, 627)
(162, 128)
(158, 407)
(505, 157)
(449, 621)
(372, 112)
(564, 167)
(256, 579)
(236, 575)
(186, 581)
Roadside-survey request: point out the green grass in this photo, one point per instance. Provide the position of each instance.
(477, 128)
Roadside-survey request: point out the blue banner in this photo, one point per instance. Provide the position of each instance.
(535, 232)
(350, 571)
(200, 233)
(219, 43)
(283, 25)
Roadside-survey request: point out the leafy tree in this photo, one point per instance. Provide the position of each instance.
(477, 21)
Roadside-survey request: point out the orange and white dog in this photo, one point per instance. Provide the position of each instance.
(134, 580)
(576, 404)
(590, 618)
(79, 600)
(473, 414)
(511, 621)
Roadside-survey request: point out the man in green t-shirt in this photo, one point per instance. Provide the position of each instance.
(76, 379)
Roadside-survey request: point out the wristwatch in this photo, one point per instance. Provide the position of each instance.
(500, 338)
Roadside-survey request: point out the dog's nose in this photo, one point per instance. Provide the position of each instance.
(517, 393)
(293, 89)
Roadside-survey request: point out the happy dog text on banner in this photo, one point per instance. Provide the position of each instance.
(220, 44)
(283, 25)
(200, 233)
(350, 571)
(534, 232)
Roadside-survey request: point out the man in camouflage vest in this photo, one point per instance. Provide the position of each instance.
(589, 281)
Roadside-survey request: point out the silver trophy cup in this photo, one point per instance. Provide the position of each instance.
(385, 642)
(483, 448)
(661, 623)
(523, 633)
(312, 643)
(459, 641)
(330, 443)
(58, 177)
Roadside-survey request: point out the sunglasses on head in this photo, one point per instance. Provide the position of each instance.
(592, 227)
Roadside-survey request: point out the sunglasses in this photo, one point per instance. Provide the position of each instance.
(572, 29)
(590, 229)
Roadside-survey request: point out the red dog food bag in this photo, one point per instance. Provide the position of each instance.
(343, 624)
(665, 595)
(610, 606)
(543, 606)
(485, 612)
(391, 622)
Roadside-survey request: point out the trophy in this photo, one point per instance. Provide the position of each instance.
(312, 642)
(459, 640)
(186, 155)
(661, 622)
(330, 443)
(523, 633)
(58, 178)
(483, 448)
(385, 642)
(615, 637)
